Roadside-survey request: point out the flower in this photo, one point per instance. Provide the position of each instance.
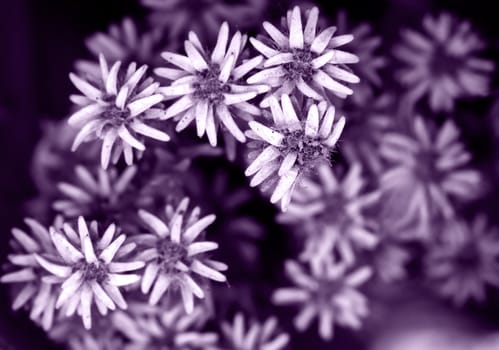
(427, 171)
(464, 260)
(89, 269)
(209, 87)
(102, 196)
(172, 254)
(35, 292)
(442, 62)
(292, 145)
(117, 111)
(147, 327)
(331, 212)
(304, 59)
(328, 293)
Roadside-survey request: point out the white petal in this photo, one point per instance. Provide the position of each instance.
(201, 117)
(262, 48)
(246, 67)
(150, 274)
(219, 51)
(271, 136)
(322, 40)
(312, 123)
(179, 106)
(196, 59)
(201, 247)
(285, 183)
(86, 88)
(199, 226)
(227, 119)
(158, 226)
(203, 270)
(329, 83)
(146, 130)
(193, 286)
(159, 289)
(107, 145)
(265, 75)
(288, 163)
(86, 242)
(264, 173)
(327, 122)
(112, 79)
(311, 25)
(226, 68)
(119, 280)
(109, 252)
(267, 155)
(28, 243)
(211, 127)
(296, 30)
(122, 97)
(335, 135)
(86, 304)
(276, 34)
(115, 295)
(289, 111)
(178, 60)
(58, 270)
(86, 114)
(139, 106)
(230, 99)
(68, 252)
(187, 298)
(130, 139)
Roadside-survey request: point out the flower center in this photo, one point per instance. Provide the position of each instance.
(309, 150)
(170, 253)
(116, 116)
(443, 62)
(301, 65)
(425, 168)
(326, 291)
(209, 87)
(92, 271)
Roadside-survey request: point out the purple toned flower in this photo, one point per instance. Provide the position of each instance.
(208, 86)
(294, 144)
(443, 63)
(327, 292)
(465, 260)
(89, 268)
(117, 111)
(304, 59)
(428, 171)
(257, 337)
(173, 254)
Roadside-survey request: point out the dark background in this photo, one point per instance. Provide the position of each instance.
(39, 42)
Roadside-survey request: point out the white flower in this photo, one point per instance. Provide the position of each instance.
(331, 210)
(328, 293)
(173, 254)
(304, 59)
(209, 87)
(258, 336)
(117, 111)
(442, 62)
(292, 145)
(428, 171)
(464, 260)
(93, 195)
(87, 268)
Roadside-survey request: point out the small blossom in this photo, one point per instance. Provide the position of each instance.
(258, 336)
(173, 254)
(442, 63)
(117, 111)
(304, 59)
(465, 260)
(292, 145)
(428, 171)
(328, 293)
(89, 269)
(209, 87)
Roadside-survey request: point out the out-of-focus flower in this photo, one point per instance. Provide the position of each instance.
(331, 212)
(118, 111)
(427, 171)
(96, 197)
(389, 261)
(442, 62)
(209, 87)
(464, 260)
(294, 144)
(258, 336)
(90, 268)
(329, 293)
(303, 59)
(173, 254)
(35, 292)
(203, 16)
(123, 42)
(155, 327)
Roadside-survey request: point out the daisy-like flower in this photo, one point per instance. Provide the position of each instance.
(465, 260)
(293, 145)
(118, 111)
(329, 293)
(209, 87)
(31, 289)
(153, 327)
(173, 254)
(332, 212)
(443, 62)
(304, 59)
(99, 196)
(90, 268)
(258, 336)
(429, 169)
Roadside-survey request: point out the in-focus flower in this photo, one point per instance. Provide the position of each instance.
(303, 59)
(102, 196)
(443, 63)
(294, 144)
(90, 268)
(328, 292)
(257, 337)
(159, 327)
(209, 86)
(428, 171)
(331, 211)
(31, 289)
(173, 254)
(118, 111)
(464, 260)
